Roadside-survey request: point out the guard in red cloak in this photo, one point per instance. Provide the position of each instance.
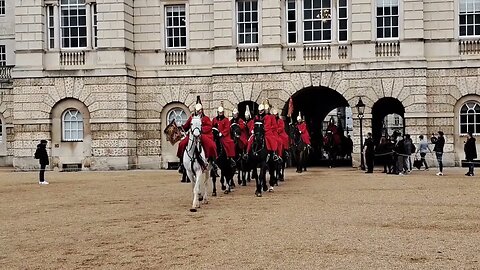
(282, 134)
(270, 126)
(223, 124)
(243, 130)
(206, 137)
(302, 127)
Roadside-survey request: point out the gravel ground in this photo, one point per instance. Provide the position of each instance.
(322, 219)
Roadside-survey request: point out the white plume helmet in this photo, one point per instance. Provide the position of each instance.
(261, 107)
(220, 109)
(235, 111)
(247, 110)
(299, 117)
(198, 107)
(274, 112)
(267, 106)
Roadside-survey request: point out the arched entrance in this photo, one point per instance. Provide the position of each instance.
(387, 117)
(252, 106)
(318, 105)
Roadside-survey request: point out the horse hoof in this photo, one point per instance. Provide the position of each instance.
(226, 192)
(258, 194)
(214, 194)
(193, 210)
(239, 183)
(270, 189)
(265, 189)
(224, 187)
(201, 198)
(244, 184)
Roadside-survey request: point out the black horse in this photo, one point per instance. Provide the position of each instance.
(263, 159)
(331, 148)
(298, 148)
(241, 157)
(225, 165)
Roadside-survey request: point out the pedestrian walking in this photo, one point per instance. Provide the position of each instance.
(470, 153)
(409, 149)
(400, 151)
(369, 152)
(439, 142)
(383, 154)
(423, 149)
(42, 156)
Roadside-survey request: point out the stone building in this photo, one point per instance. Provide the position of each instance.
(100, 79)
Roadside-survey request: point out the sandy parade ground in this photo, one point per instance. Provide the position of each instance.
(322, 219)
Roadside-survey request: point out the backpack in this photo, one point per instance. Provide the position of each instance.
(37, 154)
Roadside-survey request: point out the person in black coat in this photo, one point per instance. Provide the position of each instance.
(470, 153)
(42, 156)
(369, 152)
(439, 142)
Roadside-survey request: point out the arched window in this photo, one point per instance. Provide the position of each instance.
(72, 125)
(470, 118)
(177, 114)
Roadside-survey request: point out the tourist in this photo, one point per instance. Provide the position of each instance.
(422, 149)
(400, 151)
(369, 152)
(409, 149)
(42, 156)
(470, 153)
(439, 142)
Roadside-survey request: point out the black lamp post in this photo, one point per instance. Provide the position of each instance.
(361, 110)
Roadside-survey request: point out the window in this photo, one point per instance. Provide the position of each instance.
(94, 25)
(2, 7)
(342, 20)
(317, 20)
(470, 118)
(72, 121)
(387, 19)
(73, 20)
(50, 27)
(177, 114)
(176, 27)
(247, 22)
(3, 56)
(291, 21)
(397, 120)
(469, 18)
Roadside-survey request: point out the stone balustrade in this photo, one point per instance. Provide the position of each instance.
(72, 58)
(175, 58)
(470, 46)
(250, 54)
(317, 52)
(387, 48)
(6, 73)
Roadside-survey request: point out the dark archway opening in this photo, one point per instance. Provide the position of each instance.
(242, 107)
(317, 105)
(387, 117)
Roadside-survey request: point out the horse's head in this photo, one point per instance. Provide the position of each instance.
(235, 130)
(294, 133)
(196, 126)
(258, 131)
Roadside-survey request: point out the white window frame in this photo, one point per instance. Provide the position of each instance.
(326, 16)
(398, 26)
(67, 125)
(167, 27)
(94, 25)
(70, 7)
(289, 20)
(50, 23)
(471, 104)
(3, 55)
(475, 15)
(178, 115)
(347, 18)
(244, 22)
(3, 8)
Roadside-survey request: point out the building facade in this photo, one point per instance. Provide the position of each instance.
(101, 79)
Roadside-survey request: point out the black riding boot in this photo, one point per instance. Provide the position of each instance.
(214, 167)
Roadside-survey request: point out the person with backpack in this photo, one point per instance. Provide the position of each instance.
(42, 156)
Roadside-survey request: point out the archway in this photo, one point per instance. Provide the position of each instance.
(387, 117)
(317, 105)
(242, 106)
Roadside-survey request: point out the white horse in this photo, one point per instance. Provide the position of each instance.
(196, 165)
